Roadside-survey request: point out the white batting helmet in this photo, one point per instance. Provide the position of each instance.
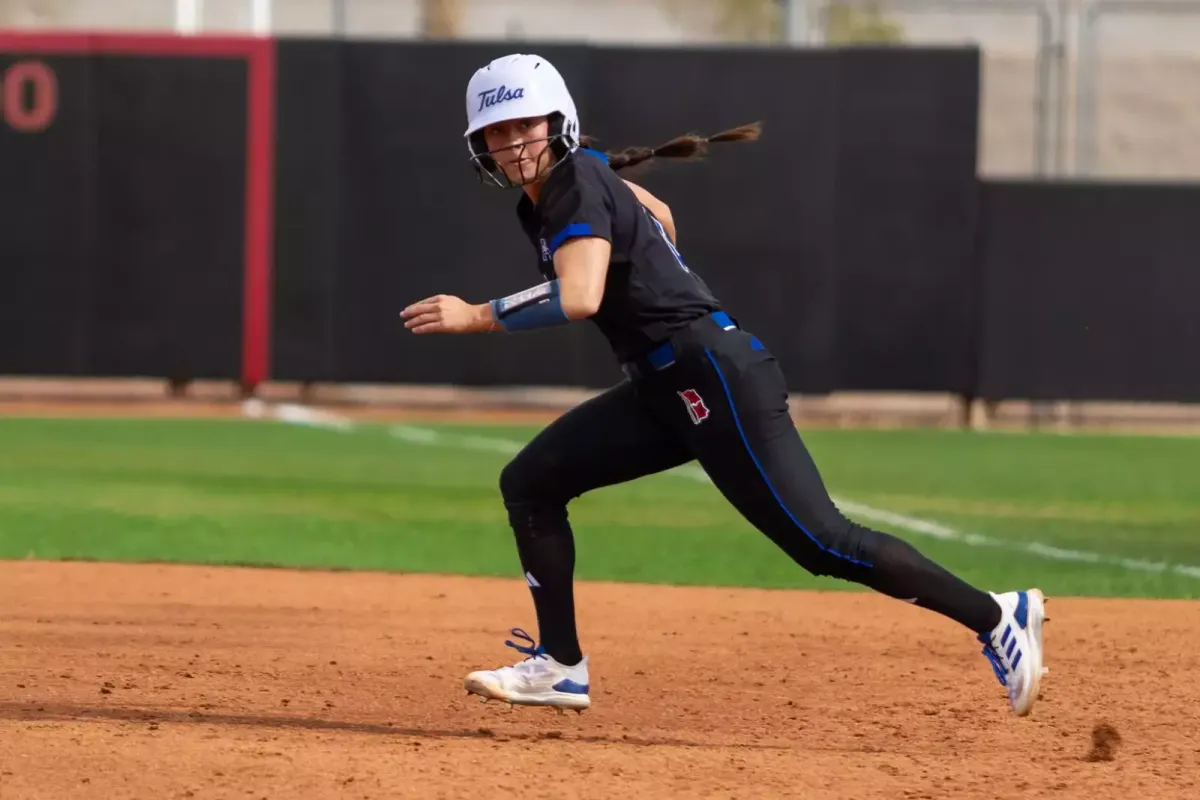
(514, 87)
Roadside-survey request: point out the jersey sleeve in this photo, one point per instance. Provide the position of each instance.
(578, 204)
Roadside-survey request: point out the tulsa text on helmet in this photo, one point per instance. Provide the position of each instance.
(501, 94)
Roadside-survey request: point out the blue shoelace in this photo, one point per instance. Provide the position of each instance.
(994, 657)
(534, 650)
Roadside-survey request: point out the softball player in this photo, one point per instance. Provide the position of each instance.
(698, 387)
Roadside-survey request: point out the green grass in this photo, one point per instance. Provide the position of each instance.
(265, 493)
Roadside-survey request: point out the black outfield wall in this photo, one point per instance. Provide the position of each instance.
(123, 200)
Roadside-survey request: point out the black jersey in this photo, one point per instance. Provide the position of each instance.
(649, 293)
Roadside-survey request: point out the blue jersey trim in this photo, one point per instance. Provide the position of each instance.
(574, 229)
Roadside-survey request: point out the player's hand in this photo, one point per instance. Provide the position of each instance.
(445, 313)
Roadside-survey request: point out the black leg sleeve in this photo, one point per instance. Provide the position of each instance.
(607, 440)
(749, 446)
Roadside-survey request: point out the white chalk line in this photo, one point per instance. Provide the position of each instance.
(302, 415)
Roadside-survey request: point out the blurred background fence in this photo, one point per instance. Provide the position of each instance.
(1107, 88)
(997, 197)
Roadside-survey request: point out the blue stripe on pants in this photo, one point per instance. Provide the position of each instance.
(737, 421)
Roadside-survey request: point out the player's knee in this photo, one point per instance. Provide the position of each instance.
(838, 549)
(529, 480)
(533, 510)
(515, 483)
(848, 551)
(535, 475)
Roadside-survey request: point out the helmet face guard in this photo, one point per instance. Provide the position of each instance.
(490, 172)
(519, 87)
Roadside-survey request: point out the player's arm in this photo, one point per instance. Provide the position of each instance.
(582, 267)
(577, 215)
(657, 207)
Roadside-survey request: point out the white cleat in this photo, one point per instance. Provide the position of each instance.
(539, 680)
(1015, 647)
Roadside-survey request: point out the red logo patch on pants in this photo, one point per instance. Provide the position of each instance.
(695, 405)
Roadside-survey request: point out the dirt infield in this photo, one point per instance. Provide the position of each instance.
(157, 681)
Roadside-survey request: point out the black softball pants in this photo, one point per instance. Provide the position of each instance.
(715, 394)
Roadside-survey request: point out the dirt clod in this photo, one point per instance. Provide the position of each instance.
(1105, 741)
